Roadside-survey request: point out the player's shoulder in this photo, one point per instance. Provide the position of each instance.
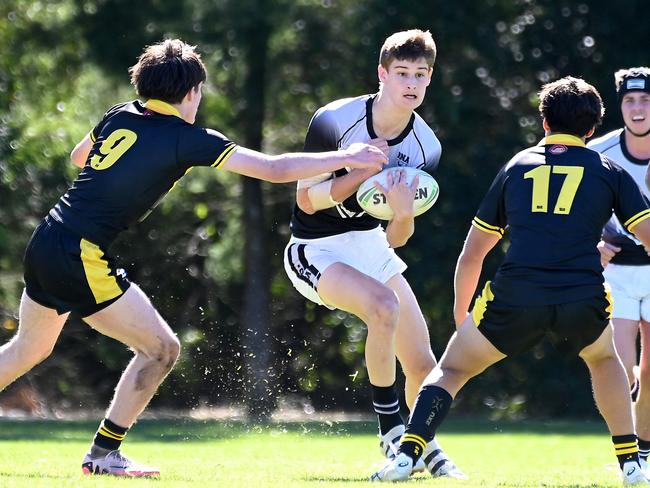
(525, 157)
(606, 142)
(344, 108)
(420, 126)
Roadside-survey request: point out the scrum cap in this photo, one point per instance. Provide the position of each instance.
(633, 79)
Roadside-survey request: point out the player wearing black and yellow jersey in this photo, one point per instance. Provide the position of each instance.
(554, 199)
(130, 160)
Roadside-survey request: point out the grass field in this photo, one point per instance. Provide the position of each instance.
(222, 454)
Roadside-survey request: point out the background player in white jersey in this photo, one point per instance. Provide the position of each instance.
(627, 262)
(341, 257)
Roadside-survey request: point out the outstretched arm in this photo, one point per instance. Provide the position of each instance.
(468, 270)
(294, 166)
(642, 232)
(80, 153)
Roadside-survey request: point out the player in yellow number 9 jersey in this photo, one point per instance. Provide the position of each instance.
(129, 161)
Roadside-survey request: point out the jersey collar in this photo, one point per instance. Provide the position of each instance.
(371, 129)
(162, 107)
(564, 139)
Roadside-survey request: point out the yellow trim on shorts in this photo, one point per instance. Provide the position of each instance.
(223, 157)
(636, 219)
(610, 301)
(480, 304)
(103, 286)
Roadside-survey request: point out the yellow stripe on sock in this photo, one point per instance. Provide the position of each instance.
(631, 450)
(107, 433)
(624, 445)
(415, 439)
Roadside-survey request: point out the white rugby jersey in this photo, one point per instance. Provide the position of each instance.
(613, 146)
(339, 124)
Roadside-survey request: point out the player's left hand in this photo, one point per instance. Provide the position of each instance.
(399, 194)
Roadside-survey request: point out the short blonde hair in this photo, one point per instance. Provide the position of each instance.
(408, 45)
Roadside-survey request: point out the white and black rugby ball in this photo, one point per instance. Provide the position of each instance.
(374, 202)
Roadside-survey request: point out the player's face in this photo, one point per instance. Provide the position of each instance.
(405, 82)
(635, 108)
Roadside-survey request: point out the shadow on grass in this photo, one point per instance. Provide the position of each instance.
(199, 431)
(36, 476)
(334, 479)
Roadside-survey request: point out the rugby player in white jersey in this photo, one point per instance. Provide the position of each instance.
(626, 261)
(342, 258)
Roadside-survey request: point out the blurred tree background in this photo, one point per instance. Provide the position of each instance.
(210, 256)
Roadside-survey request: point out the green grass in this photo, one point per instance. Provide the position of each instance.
(222, 454)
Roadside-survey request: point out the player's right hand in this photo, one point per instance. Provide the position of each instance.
(607, 252)
(365, 156)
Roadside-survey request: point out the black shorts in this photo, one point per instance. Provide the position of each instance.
(66, 272)
(514, 329)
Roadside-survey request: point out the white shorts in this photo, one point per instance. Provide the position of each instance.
(630, 291)
(367, 251)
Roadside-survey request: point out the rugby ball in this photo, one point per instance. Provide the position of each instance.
(374, 202)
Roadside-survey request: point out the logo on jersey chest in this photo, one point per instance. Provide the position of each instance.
(402, 159)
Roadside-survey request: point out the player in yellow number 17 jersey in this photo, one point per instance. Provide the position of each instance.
(553, 199)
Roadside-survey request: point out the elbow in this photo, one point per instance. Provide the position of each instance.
(276, 173)
(396, 242)
(303, 201)
(76, 160)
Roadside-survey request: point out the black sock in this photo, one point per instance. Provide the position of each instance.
(626, 448)
(430, 409)
(386, 405)
(109, 435)
(644, 449)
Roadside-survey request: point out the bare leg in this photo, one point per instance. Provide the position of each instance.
(348, 289)
(134, 321)
(468, 354)
(412, 343)
(611, 388)
(642, 406)
(625, 334)
(38, 329)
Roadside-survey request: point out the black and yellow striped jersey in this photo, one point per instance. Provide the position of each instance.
(139, 152)
(554, 198)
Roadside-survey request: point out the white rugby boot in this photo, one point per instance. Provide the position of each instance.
(114, 463)
(439, 464)
(633, 475)
(389, 444)
(397, 469)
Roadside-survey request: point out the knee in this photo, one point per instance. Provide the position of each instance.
(165, 352)
(417, 368)
(383, 312)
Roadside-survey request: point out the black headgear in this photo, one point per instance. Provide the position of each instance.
(633, 79)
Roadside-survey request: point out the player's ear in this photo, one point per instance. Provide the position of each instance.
(590, 133)
(547, 128)
(382, 73)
